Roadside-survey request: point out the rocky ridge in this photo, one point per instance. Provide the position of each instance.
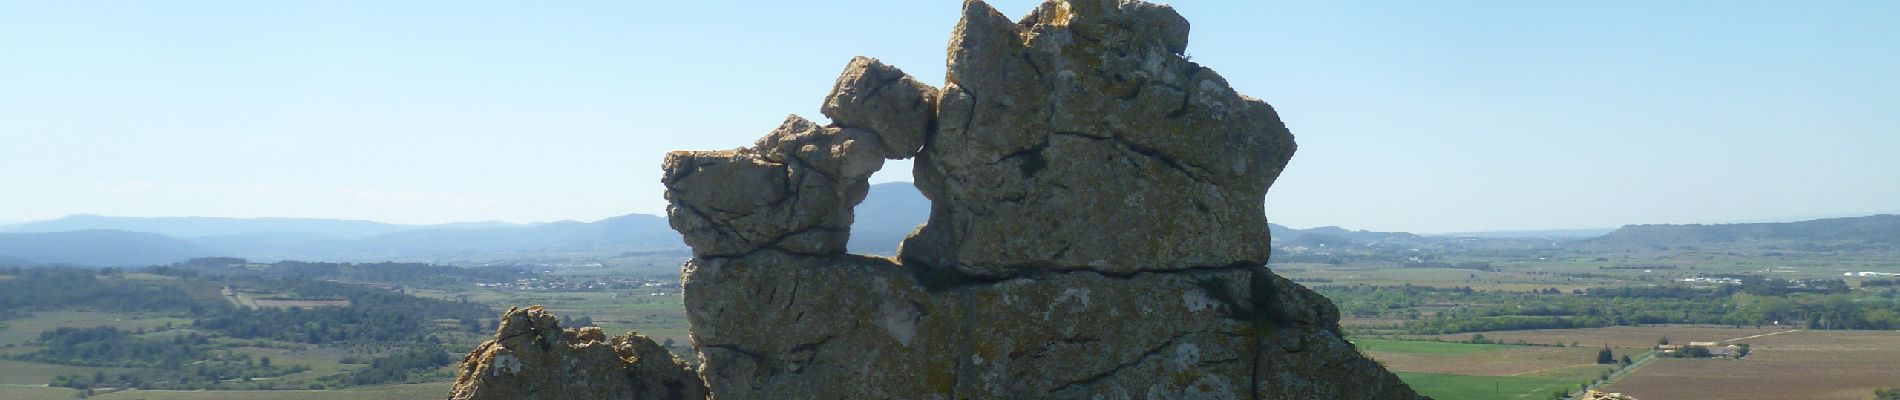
(1097, 231)
(531, 357)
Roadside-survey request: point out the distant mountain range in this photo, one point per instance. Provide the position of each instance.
(116, 241)
(1872, 229)
(96, 248)
(1333, 236)
(886, 216)
(192, 227)
(889, 212)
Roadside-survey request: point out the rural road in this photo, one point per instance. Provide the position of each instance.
(1639, 363)
(1756, 336)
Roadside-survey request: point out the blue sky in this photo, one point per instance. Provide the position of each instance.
(1417, 116)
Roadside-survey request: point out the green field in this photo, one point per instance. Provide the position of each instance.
(14, 372)
(661, 317)
(1424, 347)
(22, 330)
(1450, 386)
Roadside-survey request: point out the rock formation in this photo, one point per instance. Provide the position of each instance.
(531, 357)
(1097, 230)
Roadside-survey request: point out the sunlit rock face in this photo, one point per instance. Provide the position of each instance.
(532, 358)
(1097, 231)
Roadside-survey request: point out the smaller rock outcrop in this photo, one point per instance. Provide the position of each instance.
(801, 181)
(531, 357)
(881, 98)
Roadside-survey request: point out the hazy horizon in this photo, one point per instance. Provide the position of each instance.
(1428, 118)
(6, 223)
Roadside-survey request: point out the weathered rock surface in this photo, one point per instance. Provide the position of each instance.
(781, 325)
(792, 191)
(531, 357)
(883, 99)
(1085, 127)
(1097, 231)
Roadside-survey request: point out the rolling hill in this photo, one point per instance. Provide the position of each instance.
(103, 248)
(324, 240)
(1872, 229)
(888, 214)
(191, 227)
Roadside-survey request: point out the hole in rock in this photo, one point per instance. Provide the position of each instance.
(889, 212)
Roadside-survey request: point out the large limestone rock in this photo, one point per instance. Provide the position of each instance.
(531, 357)
(1097, 231)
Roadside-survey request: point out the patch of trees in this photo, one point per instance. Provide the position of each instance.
(1753, 285)
(237, 373)
(48, 288)
(1655, 292)
(415, 361)
(373, 315)
(1887, 394)
(1367, 301)
(184, 362)
(107, 346)
(411, 274)
(1691, 352)
(318, 325)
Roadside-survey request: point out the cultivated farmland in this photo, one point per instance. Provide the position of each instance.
(1481, 371)
(1796, 365)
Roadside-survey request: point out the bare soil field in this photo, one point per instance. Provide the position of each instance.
(244, 298)
(1795, 365)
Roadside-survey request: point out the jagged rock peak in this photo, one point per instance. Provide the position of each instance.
(1082, 138)
(531, 357)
